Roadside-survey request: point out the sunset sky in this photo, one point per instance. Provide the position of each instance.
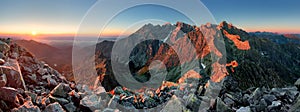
(62, 17)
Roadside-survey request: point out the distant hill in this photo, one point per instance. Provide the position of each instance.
(56, 57)
(278, 38)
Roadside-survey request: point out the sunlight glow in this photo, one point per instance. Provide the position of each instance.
(33, 33)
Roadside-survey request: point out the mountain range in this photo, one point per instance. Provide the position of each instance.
(271, 60)
(263, 60)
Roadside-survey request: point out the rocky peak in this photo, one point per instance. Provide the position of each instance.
(23, 77)
(185, 27)
(225, 25)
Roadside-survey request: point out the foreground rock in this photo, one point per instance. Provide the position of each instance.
(54, 107)
(258, 99)
(22, 86)
(297, 84)
(3, 80)
(174, 105)
(10, 96)
(28, 106)
(12, 71)
(61, 90)
(296, 106)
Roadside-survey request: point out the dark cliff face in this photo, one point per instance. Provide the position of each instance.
(272, 61)
(261, 61)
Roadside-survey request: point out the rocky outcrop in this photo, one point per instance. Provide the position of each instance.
(28, 106)
(54, 107)
(174, 105)
(12, 70)
(11, 96)
(297, 84)
(61, 90)
(296, 106)
(3, 80)
(26, 83)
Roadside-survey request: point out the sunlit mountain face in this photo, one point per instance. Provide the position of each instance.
(251, 60)
(240, 47)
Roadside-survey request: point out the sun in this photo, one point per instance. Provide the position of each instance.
(33, 33)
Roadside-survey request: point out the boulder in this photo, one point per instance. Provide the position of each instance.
(291, 93)
(278, 92)
(269, 98)
(38, 100)
(193, 102)
(262, 105)
(274, 105)
(4, 47)
(32, 79)
(92, 102)
(113, 102)
(2, 61)
(297, 84)
(14, 55)
(236, 97)
(42, 101)
(222, 107)
(244, 109)
(74, 94)
(61, 101)
(26, 69)
(13, 74)
(3, 80)
(84, 89)
(174, 105)
(32, 95)
(45, 101)
(2, 56)
(42, 71)
(108, 110)
(213, 89)
(255, 96)
(10, 95)
(229, 101)
(27, 107)
(54, 107)
(206, 103)
(118, 90)
(245, 99)
(296, 106)
(100, 90)
(3, 105)
(61, 90)
(70, 107)
(230, 84)
(51, 82)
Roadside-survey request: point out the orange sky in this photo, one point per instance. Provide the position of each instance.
(68, 31)
(21, 18)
